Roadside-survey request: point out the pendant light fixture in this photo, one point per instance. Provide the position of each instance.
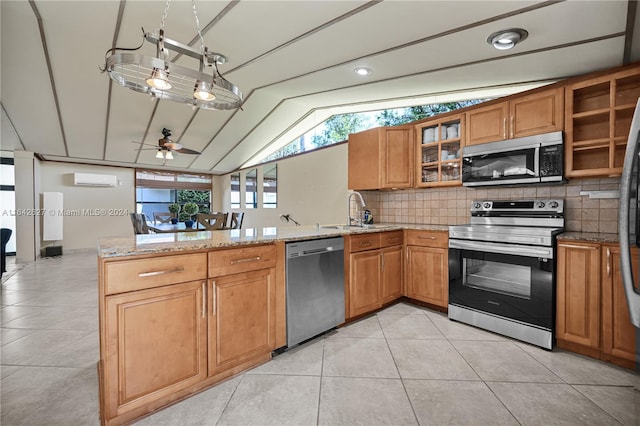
(160, 78)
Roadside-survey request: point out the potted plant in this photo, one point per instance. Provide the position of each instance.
(191, 209)
(175, 209)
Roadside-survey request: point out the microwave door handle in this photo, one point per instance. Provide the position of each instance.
(536, 162)
(630, 159)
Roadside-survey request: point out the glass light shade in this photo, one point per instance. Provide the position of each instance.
(169, 155)
(203, 91)
(159, 79)
(159, 154)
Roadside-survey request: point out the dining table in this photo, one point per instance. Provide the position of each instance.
(164, 228)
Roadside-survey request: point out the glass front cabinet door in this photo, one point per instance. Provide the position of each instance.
(439, 153)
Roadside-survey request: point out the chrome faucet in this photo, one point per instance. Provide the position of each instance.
(349, 218)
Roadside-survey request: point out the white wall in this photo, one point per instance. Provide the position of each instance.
(90, 212)
(27, 204)
(312, 188)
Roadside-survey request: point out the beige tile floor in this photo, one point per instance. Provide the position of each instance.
(404, 365)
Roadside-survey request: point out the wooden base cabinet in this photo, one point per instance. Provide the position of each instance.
(427, 277)
(241, 319)
(592, 313)
(374, 265)
(618, 334)
(578, 297)
(156, 345)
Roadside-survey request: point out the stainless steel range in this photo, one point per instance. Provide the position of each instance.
(502, 268)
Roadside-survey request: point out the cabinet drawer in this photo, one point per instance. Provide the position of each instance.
(233, 261)
(138, 274)
(392, 238)
(364, 242)
(428, 238)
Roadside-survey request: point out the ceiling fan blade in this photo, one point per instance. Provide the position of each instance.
(142, 143)
(186, 151)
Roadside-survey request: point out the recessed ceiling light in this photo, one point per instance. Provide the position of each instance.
(507, 39)
(362, 71)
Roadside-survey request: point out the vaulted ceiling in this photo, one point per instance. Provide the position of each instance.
(293, 60)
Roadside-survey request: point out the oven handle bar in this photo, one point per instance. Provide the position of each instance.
(511, 249)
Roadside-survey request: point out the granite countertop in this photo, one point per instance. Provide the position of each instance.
(599, 237)
(202, 240)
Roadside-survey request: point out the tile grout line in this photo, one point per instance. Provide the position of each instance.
(413, 410)
(479, 376)
(230, 397)
(321, 380)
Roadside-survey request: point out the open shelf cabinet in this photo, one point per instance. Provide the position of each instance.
(598, 117)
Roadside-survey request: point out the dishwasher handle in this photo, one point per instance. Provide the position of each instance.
(313, 252)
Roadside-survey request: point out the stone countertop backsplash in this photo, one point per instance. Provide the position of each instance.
(202, 240)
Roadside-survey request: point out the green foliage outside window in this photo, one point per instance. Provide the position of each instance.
(337, 128)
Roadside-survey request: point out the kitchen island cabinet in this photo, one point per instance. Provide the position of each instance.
(592, 312)
(242, 299)
(154, 339)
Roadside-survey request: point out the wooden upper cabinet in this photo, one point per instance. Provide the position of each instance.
(381, 158)
(487, 124)
(439, 145)
(598, 117)
(540, 112)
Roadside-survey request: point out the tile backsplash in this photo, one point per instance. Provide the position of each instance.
(450, 206)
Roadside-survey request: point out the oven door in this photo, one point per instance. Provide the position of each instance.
(502, 167)
(509, 280)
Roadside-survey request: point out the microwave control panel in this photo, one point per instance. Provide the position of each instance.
(551, 160)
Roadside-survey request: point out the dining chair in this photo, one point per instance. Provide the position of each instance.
(139, 221)
(163, 217)
(212, 221)
(236, 220)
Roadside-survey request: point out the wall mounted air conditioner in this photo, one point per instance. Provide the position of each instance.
(90, 179)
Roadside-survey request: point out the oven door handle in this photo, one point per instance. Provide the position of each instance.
(511, 249)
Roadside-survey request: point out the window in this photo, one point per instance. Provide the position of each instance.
(270, 186)
(235, 191)
(156, 190)
(251, 189)
(338, 127)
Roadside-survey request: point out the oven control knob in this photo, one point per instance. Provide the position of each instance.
(487, 205)
(553, 204)
(477, 205)
(540, 204)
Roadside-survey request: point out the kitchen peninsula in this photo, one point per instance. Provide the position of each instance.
(181, 312)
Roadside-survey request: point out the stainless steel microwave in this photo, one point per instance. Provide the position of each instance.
(532, 159)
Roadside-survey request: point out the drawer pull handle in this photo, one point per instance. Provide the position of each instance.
(248, 259)
(579, 247)
(608, 262)
(365, 243)
(204, 300)
(394, 240)
(166, 271)
(426, 238)
(213, 297)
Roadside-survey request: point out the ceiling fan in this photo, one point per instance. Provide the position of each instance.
(166, 147)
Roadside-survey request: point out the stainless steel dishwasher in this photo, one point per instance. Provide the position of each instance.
(315, 287)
